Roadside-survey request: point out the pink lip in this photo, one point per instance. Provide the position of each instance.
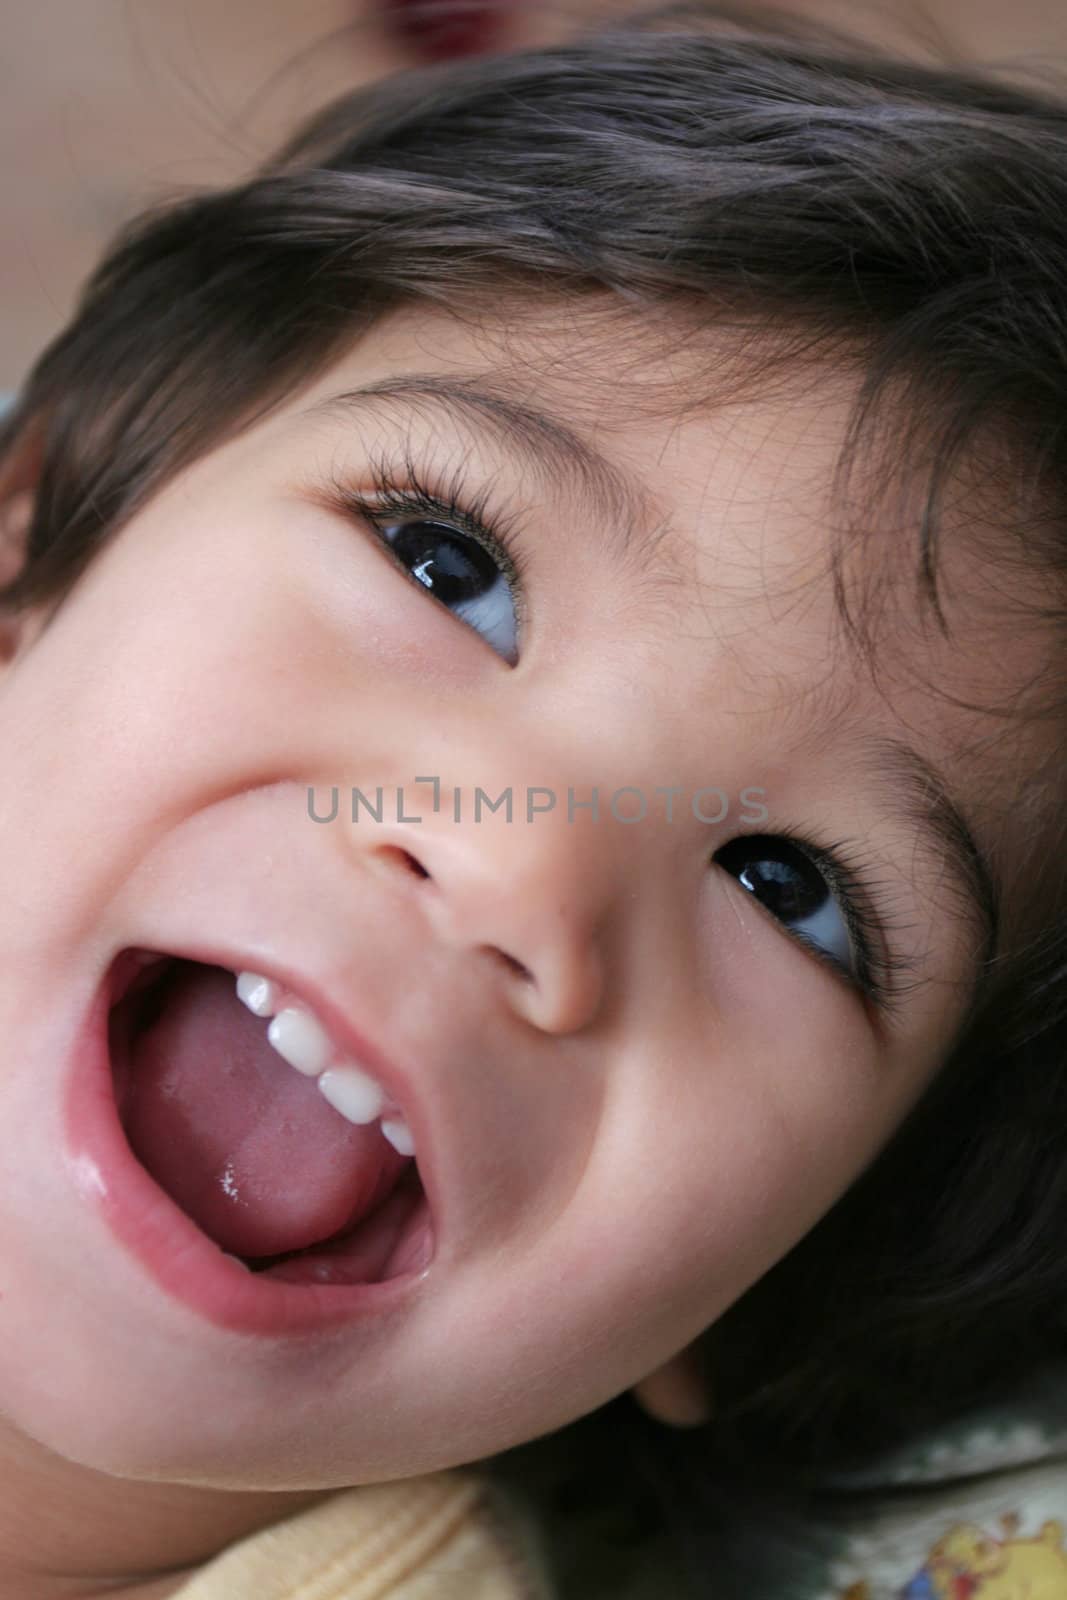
(184, 1262)
(442, 32)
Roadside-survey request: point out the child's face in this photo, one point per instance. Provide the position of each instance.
(624, 1139)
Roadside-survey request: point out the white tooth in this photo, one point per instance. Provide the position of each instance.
(352, 1092)
(258, 994)
(399, 1135)
(300, 1038)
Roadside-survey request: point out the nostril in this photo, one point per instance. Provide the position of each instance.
(404, 858)
(513, 965)
(396, 855)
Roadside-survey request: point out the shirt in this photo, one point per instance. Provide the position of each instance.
(445, 1536)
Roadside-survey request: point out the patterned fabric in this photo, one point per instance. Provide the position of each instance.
(976, 1510)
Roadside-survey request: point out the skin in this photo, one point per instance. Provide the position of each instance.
(629, 1133)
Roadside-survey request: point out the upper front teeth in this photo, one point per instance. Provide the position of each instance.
(297, 1036)
(300, 1039)
(355, 1095)
(258, 994)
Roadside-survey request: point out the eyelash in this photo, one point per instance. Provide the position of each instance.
(405, 493)
(399, 493)
(881, 972)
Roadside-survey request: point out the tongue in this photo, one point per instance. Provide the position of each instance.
(246, 1145)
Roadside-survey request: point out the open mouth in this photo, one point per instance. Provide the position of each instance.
(254, 1155)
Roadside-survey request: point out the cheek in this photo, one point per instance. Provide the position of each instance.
(771, 1115)
(242, 619)
(802, 1028)
(172, 659)
(698, 1195)
(769, 1163)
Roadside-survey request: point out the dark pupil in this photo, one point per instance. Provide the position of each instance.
(452, 567)
(789, 886)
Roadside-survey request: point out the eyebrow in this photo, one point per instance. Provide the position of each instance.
(545, 444)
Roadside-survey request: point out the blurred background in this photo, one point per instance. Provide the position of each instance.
(110, 105)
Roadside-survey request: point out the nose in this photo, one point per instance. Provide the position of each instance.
(529, 899)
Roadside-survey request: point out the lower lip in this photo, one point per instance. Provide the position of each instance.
(187, 1265)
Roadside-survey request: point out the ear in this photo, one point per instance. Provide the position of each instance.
(18, 488)
(17, 629)
(679, 1393)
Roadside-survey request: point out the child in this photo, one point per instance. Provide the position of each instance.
(659, 437)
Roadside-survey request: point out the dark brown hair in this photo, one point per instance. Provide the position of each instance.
(848, 202)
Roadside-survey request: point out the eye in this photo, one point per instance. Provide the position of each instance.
(792, 887)
(460, 572)
(451, 549)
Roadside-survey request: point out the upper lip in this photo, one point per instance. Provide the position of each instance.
(394, 1077)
